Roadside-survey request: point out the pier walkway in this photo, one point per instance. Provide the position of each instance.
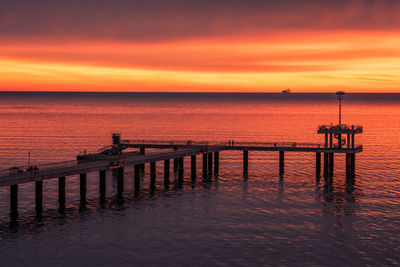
(114, 158)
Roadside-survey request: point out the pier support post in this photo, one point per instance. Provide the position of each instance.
(318, 164)
(348, 141)
(353, 164)
(14, 202)
(326, 164)
(39, 196)
(205, 165)
(331, 163)
(180, 172)
(137, 177)
(142, 150)
(166, 173)
(216, 163)
(281, 162)
(245, 162)
(120, 182)
(326, 140)
(210, 163)
(102, 186)
(152, 175)
(61, 193)
(176, 162)
(349, 166)
(82, 182)
(193, 167)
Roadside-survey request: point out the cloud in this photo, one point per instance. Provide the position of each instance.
(155, 20)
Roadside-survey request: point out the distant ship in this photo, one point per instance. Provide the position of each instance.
(287, 91)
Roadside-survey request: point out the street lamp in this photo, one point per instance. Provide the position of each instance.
(340, 95)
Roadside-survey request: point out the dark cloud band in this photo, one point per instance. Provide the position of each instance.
(162, 19)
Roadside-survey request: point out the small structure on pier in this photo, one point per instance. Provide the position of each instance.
(339, 133)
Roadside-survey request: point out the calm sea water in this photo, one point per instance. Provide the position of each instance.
(262, 220)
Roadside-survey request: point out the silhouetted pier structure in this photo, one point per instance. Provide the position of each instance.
(113, 158)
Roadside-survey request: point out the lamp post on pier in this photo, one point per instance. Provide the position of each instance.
(340, 95)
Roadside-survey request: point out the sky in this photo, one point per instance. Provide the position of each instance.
(200, 46)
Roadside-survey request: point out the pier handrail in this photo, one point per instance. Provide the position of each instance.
(39, 167)
(220, 143)
(343, 126)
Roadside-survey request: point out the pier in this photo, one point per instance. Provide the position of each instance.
(339, 139)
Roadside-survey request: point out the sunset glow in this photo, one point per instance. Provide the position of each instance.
(247, 59)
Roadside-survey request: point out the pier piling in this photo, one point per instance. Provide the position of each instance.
(152, 175)
(216, 163)
(180, 172)
(205, 165)
(281, 162)
(82, 183)
(318, 164)
(331, 164)
(176, 162)
(120, 182)
(61, 193)
(245, 162)
(326, 164)
(210, 163)
(193, 167)
(137, 177)
(102, 186)
(14, 202)
(39, 196)
(166, 173)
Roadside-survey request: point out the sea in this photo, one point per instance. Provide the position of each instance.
(262, 219)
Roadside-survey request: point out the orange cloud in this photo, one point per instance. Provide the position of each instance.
(307, 61)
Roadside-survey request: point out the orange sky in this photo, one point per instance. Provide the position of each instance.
(248, 60)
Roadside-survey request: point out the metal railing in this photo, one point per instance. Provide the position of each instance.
(339, 127)
(36, 168)
(220, 143)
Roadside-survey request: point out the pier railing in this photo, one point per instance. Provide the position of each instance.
(340, 127)
(39, 167)
(220, 143)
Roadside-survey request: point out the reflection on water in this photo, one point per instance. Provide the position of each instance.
(227, 217)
